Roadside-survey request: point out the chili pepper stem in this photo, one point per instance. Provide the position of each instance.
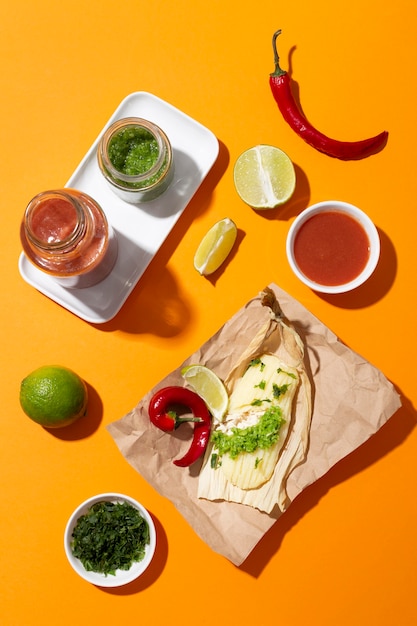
(181, 420)
(278, 71)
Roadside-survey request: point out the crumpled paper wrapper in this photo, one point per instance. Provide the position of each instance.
(352, 400)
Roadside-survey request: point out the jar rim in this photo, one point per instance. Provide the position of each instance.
(164, 150)
(66, 242)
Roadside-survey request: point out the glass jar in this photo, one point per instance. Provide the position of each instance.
(65, 233)
(135, 157)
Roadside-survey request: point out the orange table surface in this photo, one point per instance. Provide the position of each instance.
(345, 551)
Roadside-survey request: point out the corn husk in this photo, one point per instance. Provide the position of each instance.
(277, 337)
(252, 396)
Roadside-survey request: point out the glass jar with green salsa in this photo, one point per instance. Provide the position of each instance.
(135, 157)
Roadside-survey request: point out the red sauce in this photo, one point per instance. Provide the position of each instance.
(54, 220)
(331, 248)
(67, 239)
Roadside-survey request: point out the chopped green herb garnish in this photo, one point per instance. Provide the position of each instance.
(255, 362)
(258, 401)
(109, 537)
(214, 461)
(258, 437)
(261, 385)
(257, 461)
(279, 391)
(290, 374)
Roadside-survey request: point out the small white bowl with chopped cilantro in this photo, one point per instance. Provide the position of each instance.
(110, 540)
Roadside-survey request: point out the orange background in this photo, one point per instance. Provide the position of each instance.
(345, 552)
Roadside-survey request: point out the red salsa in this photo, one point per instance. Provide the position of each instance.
(331, 248)
(54, 220)
(65, 233)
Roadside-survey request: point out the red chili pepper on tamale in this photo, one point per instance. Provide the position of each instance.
(280, 83)
(162, 414)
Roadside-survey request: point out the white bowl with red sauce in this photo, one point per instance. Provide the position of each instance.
(333, 247)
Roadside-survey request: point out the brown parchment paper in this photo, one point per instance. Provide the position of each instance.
(351, 401)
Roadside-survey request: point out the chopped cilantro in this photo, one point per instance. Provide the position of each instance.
(261, 385)
(290, 374)
(258, 437)
(279, 391)
(258, 401)
(214, 461)
(255, 362)
(110, 536)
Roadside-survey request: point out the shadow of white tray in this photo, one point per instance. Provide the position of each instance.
(140, 229)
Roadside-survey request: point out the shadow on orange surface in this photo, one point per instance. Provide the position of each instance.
(214, 277)
(86, 425)
(157, 307)
(390, 436)
(151, 575)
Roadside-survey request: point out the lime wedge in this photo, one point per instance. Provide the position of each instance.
(264, 177)
(215, 246)
(209, 387)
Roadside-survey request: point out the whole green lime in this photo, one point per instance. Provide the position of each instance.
(53, 396)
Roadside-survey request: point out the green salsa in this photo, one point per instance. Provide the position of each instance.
(136, 159)
(133, 151)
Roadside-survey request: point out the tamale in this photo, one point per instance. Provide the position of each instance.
(280, 397)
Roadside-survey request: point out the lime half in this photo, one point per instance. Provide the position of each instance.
(264, 177)
(215, 246)
(209, 387)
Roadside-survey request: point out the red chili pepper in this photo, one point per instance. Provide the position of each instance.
(167, 420)
(280, 84)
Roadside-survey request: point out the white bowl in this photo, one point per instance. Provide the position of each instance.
(122, 577)
(361, 218)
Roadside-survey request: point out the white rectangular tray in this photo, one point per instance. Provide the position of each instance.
(140, 229)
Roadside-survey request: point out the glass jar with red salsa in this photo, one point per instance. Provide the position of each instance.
(65, 233)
